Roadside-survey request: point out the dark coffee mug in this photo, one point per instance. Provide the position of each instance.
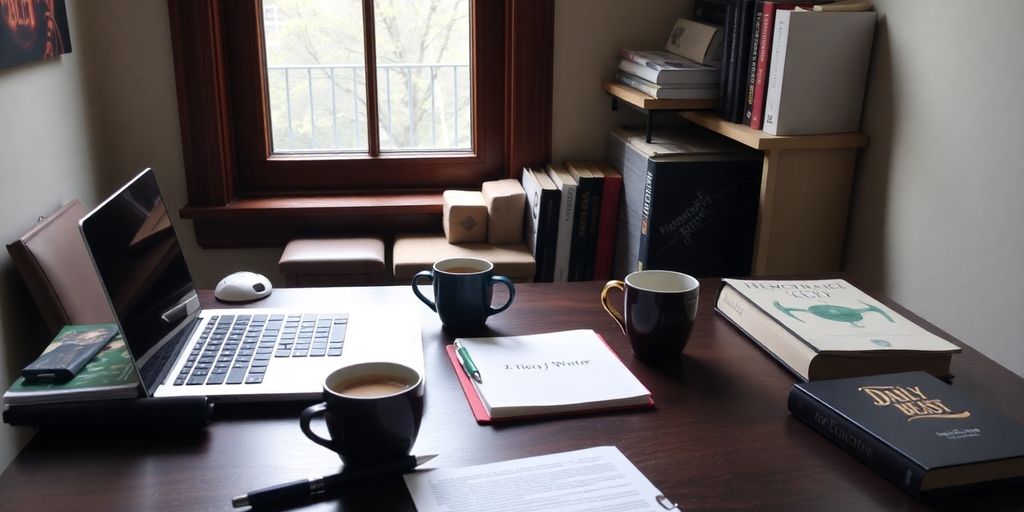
(373, 412)
(660, 306)
(462, 291)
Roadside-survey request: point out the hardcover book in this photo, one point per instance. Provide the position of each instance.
(667, 92)
(110, 374)
(814, 91)
(690, 202)
(546, 374)
(924, 435)
(826, 329)
(566, 214)
(762, 56)
(589, 189)
(699, 42)
(608, 222)
(543, 200)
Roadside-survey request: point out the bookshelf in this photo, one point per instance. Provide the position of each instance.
(806, 181)
(649, 106)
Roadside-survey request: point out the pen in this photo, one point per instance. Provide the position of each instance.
(284, 494)
(467, 362)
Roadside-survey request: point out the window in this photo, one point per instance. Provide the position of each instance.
(443, 114)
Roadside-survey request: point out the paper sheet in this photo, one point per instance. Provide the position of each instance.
(594, 479)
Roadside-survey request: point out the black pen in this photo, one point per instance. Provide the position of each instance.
(284, 494)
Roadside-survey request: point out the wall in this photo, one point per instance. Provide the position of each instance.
(49, 156)
(937, 208)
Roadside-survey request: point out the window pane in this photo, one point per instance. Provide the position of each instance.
(316, 78)
(424, 84)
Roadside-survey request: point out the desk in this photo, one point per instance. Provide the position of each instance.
(720, 437)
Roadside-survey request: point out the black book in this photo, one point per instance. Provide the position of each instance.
(924, 435)
(729, 48)
(543, 200)
(709, 11)
(584, 231)
(741, 64)
(690, 202)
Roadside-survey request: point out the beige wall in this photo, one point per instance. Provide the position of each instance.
(937, 208)
(934, 219)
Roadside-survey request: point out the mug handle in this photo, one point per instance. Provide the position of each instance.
(415, 288)
(307, 415)
(511, 294)
(608, 306)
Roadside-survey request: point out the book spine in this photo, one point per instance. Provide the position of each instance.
(645, 220)
(755, 47)
(776, 69)
(745, 20)
(634, 68)
(869, 449)
(607, 226)
(584, 232)
(728, 57)
(565, 222)
(547, 234)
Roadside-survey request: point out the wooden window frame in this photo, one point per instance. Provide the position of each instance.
(228, 209)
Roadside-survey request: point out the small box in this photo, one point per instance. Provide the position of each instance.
(505, 200)
(465, 216)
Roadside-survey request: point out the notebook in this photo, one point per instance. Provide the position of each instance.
(255, 354)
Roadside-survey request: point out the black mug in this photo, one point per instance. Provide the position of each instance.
(373, 412)
(660, 306)
(462, 291)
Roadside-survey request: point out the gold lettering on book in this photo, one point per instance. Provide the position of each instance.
(911, 401)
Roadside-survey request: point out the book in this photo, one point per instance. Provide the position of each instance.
(546, 374)
(689, 204)
(741, 65)
(608, 223)
(755, 39)
(922, 434)
(543, 200)
(590, 186)
(813, 91)
(70, 350)
(667, 92)
(110, 374)
(709, 11)
(699, 42)
(566, 213)
(768, 9)
(663, 68)
(827, 329)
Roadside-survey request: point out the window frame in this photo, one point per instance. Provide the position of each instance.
(221, 155)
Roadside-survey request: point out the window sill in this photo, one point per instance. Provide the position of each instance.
(273, 221)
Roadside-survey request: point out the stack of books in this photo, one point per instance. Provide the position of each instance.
(688, 69)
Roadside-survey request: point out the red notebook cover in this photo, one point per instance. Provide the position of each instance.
(481, 415)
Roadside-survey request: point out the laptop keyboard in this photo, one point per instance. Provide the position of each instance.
(236, 349)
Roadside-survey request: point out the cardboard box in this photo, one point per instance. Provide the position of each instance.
(505, 200)
(465, 216)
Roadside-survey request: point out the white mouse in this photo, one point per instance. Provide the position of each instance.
(243, 287)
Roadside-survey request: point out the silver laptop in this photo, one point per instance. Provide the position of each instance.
(225, 354)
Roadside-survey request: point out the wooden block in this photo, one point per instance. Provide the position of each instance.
(505, 200)
(465, 216)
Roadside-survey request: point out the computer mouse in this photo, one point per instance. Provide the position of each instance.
(243, 287)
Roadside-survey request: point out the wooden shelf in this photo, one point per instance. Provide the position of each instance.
(758, 139)
(645, 102)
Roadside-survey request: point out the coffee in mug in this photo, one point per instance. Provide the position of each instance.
(462, 292)
(372, 410)
(658, 313)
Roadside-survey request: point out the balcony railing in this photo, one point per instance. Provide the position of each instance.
(322, 108)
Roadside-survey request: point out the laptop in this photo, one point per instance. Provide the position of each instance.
(250, 354)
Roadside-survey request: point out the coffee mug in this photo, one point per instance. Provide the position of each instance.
(660, 306)
(373, 412)
(462, 291)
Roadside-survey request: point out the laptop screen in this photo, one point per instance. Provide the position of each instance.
(142, 268)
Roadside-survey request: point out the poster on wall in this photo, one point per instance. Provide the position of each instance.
(31, 30)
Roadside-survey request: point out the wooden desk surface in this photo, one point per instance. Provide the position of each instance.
(720, 437)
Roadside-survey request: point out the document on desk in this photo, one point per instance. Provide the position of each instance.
(594, 479)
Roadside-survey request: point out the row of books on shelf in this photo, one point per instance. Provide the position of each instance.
(571, 219)
(793, 68)
(789, 68)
